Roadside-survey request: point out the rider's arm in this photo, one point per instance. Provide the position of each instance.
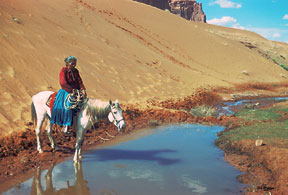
(63, 80)
(81, 84)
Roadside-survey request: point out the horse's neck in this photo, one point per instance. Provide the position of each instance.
(97, 109)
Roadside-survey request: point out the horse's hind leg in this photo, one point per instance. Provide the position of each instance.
(40, 121)
(49, 133)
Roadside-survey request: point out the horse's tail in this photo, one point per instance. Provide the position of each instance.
(33, 114)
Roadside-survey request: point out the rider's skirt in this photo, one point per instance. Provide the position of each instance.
(60, 114)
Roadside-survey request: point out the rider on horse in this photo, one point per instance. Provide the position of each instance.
(69, 80)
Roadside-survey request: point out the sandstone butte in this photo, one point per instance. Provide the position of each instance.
(188, 9)
(126, 50)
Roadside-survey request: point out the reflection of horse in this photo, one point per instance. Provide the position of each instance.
(80, 186)
(91, 111)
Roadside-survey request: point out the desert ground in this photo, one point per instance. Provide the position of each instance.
(145, 57)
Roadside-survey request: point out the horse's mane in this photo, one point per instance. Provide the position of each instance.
(98, 109)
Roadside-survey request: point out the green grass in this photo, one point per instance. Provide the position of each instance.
(266, 131)
(258, 114)
(266, 126)
(284, 66)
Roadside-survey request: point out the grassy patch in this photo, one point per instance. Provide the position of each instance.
(266, 131)
(284, 66)
(260, 114)
(266, 125)
(203, 111)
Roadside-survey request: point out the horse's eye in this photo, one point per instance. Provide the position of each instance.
(115, 112)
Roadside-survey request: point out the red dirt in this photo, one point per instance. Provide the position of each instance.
(264, 167)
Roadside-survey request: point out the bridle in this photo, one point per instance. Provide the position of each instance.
(114, 117)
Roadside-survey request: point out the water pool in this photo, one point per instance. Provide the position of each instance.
(175, 159)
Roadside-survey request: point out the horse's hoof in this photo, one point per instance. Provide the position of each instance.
(40, 151)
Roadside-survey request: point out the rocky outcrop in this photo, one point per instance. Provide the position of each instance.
(161, 4)
(188, 9)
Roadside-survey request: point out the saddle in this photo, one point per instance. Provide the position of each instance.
(51, 100)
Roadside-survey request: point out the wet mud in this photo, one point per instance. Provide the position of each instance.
(20, 159)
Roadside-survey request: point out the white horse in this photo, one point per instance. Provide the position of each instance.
(91, 111)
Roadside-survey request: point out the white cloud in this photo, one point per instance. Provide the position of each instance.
(272, 33)
(226, 4)
(195, 185)
(238, 26)
(285, 17)
(276, 35)
(225, 20)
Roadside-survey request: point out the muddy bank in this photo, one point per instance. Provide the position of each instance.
(19, 157)
(264, 168)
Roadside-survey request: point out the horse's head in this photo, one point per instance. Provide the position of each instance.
(116, 115)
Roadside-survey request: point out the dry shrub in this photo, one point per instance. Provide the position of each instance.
(203, 111)
(200, 97)
(222, 90)
(282, 84)
(205, 97)
(255, 86)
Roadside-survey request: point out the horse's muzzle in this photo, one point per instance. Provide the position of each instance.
(121, 125)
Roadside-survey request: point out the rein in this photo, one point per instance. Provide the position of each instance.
(92, 122)
(76, 99)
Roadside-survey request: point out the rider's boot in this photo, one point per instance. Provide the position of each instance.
(65, 129)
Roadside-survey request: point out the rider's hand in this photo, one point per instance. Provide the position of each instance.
(83, 91)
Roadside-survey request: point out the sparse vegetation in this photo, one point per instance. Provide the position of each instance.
(275, 61)
(253, 86)
(268, 124)
(202, 111)
(284, 66)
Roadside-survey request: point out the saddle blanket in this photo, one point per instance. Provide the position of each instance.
(51, 100)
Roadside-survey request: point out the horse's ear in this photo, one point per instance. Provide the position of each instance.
(116, 102)
(110, 102)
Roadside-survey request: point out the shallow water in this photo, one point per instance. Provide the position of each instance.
(227, 108)
(175, 159)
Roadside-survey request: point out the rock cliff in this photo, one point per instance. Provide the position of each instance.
(161, 4)
(188, 9)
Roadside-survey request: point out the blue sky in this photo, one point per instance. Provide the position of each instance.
(268, 18)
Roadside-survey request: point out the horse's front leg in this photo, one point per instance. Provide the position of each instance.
(49, 133)
(79, 142)
(36, 187)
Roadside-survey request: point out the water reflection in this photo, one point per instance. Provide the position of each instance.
(146, 155)
(176, 159)
(80, 186)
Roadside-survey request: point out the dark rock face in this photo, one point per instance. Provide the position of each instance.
(188, 9)
(161, 4)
